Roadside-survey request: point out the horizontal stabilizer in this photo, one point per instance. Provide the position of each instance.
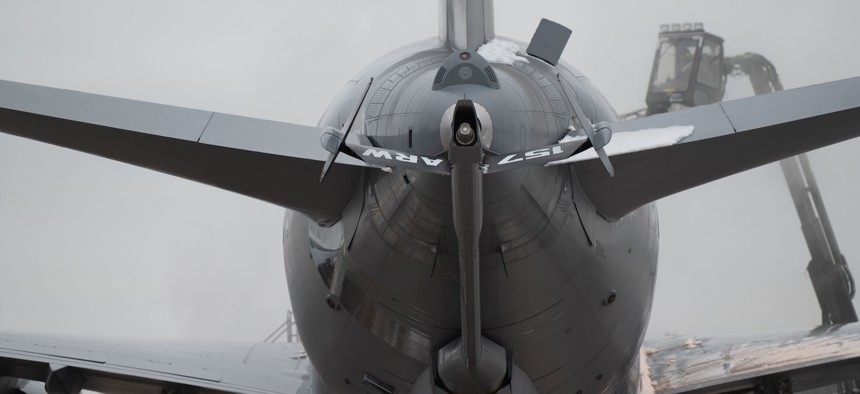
(726, 138)
(272, 161)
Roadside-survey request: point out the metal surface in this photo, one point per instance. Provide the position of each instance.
(334, 142)
(596, 141)
(549, 41)
(465, 24)
(465, 67)
(400, 296)
(466, 198)
(64, 380)
(471, 363)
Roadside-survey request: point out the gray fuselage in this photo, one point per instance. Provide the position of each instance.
(563, 290)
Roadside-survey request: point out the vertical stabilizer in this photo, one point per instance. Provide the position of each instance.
(465, 24)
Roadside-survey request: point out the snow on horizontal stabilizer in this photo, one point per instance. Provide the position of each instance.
(633, 141)
(571, 138)
(502, 52)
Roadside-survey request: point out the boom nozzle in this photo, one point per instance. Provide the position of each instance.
(465, 135)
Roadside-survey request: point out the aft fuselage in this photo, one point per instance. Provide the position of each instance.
(565, 291)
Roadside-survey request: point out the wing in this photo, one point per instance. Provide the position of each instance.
(115, 366)
(799, 361)
(272, 161)
(715, 141)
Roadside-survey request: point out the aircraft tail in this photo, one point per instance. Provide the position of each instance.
(465, 24)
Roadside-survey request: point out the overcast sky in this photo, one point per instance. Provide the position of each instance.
(89, 246)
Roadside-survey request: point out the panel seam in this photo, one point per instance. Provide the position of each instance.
(734, 129)
(211, 115)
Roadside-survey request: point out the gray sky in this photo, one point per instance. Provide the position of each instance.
(89, 246)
